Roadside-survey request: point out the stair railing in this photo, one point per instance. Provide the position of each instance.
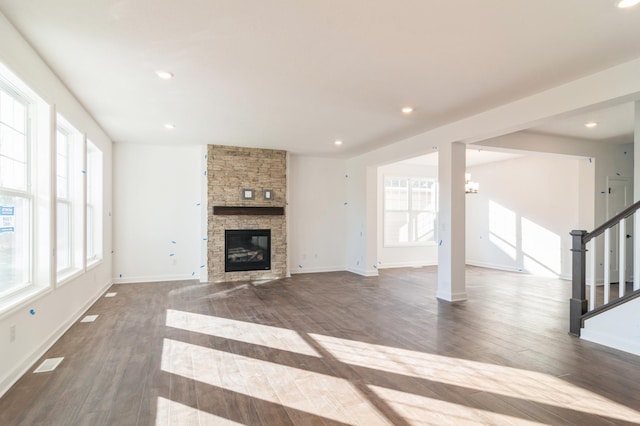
(579, 305)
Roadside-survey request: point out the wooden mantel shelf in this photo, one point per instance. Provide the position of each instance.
(248, 210)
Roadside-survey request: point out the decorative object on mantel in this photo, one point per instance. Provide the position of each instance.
(268, 194)
(248, 211)
(470, 187)
(248, 194)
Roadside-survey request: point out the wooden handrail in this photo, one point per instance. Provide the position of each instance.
(611, 222)
(578, 310)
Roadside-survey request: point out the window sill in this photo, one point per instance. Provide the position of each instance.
(67, 275)
(93, 263)
(20, 299)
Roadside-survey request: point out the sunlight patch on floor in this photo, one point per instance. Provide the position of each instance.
(173, 413)
(318, 394)
(421, 410)
(257, 334)
(506, 381)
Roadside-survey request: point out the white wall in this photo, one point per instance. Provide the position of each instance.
(618, 328)
(317, 214)
(608, 87)
(608, 160)
(521, 218)
(362, 218)
(157, 212)
(58, 308)
(393, 257)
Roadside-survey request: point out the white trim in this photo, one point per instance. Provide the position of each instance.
(20, 299)
(481, 264)
(364, 272)
(410, 264)
(154, 279)
(495, 266)
(630, 344)
(314, 270)
(25, 366)
(453, 297)
(68, 275)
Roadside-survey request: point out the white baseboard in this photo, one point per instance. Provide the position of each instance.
(153, 279)
(30, 359)
(494, 266)
(630, 345)
(406, 265)
(453, 297)
(313, 270)
(364, 272)
(508, 268)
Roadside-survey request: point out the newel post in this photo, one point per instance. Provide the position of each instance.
(578, 304)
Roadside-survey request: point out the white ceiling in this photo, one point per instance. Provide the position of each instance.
(297, 75)
(474, 157)
(615, 124)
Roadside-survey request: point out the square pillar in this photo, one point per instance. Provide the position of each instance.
(451, 222)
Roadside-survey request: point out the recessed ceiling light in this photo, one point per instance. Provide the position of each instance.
(169, 126)
(623, 4)
(338, 143)
(591, 124)
(165, 75)
(409, 110)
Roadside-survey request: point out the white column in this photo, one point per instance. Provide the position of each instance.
(451, 226)
(636, 197)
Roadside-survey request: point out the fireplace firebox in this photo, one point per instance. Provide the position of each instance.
(247, 250)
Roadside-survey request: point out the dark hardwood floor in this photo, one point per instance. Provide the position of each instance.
(330, 348)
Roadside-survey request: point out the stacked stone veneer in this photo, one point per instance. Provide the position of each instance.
(229, 171)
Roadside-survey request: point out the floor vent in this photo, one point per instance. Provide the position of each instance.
(49, 365)
(110, 294)
(89, 318)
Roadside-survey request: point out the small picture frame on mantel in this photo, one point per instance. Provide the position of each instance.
(267, 194)
(248, 194)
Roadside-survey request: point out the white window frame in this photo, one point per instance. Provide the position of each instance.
(94, 195)
(38, 193)
(410, 211)
(25, 194)
(74, 200)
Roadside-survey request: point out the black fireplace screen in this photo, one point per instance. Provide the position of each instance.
(247, 249)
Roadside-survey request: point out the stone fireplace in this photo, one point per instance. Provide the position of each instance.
(234, 173)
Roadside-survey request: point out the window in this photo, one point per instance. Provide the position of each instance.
(25, 191)
(69, 199)
(410, 206)
(16, 197)
(94, 203)
(63, 204)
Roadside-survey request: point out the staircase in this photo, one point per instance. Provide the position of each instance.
(583, 308)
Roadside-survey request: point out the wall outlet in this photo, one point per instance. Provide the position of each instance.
(12, 334)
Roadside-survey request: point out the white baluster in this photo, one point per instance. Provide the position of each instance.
(636, 252)
(592, 289)
(606, 264)
(623, 257)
